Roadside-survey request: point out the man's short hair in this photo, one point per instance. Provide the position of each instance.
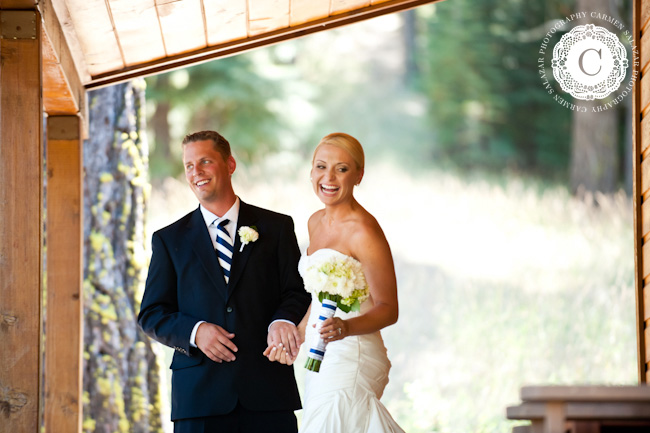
(221, 145)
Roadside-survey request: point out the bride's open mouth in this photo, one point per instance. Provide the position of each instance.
(329, 189)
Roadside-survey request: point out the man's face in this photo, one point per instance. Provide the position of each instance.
(206, 171)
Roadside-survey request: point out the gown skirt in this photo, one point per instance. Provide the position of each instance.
(344, 396)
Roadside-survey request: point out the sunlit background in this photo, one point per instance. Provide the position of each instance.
(508, 274)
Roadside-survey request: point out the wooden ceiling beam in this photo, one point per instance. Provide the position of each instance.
(239, 46)
(63, 91)
(17, 4)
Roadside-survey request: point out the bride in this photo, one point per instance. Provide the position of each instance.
(343, 397)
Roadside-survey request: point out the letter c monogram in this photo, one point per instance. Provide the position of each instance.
(583, 54)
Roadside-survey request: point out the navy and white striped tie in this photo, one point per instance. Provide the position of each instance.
(224, 248)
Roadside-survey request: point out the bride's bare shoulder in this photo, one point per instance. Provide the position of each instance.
(315, 217)
(367, 229)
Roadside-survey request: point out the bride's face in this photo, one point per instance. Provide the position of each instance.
(334, 174)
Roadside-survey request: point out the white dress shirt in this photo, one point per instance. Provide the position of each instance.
(211, 222)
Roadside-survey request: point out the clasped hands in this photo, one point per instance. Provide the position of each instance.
(285, 350)
(284, 340)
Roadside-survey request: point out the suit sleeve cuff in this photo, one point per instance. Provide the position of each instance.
(193, 334)
(278, 320)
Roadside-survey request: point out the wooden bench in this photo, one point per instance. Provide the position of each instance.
(583, 409)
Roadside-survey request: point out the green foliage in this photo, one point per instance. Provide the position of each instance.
(228, 95)
(355, 306)
(486, 102)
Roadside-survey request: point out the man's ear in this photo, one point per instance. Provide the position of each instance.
(232, 165)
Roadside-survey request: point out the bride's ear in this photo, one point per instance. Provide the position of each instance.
(360, 178)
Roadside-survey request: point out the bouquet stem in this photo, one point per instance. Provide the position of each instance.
(317, 348)
(313, 365)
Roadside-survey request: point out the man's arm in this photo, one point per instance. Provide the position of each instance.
(159, 316)
(294, 299)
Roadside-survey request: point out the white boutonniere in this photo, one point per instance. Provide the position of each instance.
(246, 235)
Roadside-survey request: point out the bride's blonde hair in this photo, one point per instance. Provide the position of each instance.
(346, 142)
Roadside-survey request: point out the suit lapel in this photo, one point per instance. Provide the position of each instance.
(199, 238)
(247, 217)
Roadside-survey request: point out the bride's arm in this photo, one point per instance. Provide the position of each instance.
(372, 250)
(302, 326)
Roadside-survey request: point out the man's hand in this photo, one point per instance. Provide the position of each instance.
(285, 335)
(215, 342)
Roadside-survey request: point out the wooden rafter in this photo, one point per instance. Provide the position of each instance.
(63, 91)
(256, 38)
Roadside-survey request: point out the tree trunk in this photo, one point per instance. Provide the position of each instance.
(409, 32)
(121, 376)
(160, 123)
(594, 153)
(594, 136)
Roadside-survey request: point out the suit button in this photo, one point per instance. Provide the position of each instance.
(229, 310)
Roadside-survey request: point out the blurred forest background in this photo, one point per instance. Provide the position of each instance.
(508, 214)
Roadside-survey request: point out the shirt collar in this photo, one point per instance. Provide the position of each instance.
(232, 214)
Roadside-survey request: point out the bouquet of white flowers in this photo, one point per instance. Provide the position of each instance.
(339, 283)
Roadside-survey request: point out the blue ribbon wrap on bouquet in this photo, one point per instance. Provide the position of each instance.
(317, 348)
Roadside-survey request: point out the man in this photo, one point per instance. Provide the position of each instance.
(219, 297)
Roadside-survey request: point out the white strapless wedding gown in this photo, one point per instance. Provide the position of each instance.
(344, 396)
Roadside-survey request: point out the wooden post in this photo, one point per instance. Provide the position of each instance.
(555, 417)
(639, 189)
(64, 306)
(21, 174)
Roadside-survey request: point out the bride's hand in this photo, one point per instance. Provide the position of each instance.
(278, 354)
(334, 329)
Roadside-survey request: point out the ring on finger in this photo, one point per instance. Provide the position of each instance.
(340, 332)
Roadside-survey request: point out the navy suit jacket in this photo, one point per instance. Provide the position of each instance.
(185, 284)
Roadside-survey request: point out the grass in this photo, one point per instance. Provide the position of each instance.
(501, 284)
